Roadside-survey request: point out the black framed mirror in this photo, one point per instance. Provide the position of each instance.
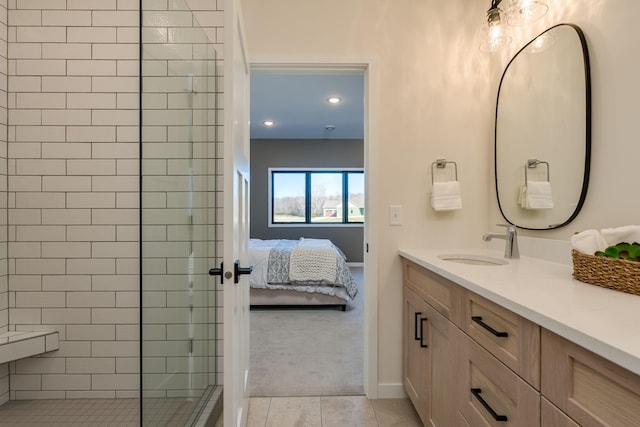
(543, 131)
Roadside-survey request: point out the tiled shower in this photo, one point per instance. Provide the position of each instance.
(71, 245)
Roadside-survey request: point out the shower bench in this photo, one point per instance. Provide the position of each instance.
(16, 345)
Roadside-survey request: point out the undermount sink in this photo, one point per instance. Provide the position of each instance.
(473, 259)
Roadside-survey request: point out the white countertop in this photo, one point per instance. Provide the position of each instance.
(605, 321)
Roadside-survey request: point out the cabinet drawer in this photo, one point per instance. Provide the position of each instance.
(491, 394)
(552, 416)
(442, 294)
(514, 340)
(591, 390)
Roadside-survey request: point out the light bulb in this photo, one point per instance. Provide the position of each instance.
(523, 12)
(494, 33)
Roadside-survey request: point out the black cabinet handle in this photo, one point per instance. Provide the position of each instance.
(416, 316)
(422, 344)
(217, 272)
(478, 320)
(237, 271)
(476, 392)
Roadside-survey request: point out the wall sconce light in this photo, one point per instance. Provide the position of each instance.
(494, 33)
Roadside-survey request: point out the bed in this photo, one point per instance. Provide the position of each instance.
(302, 272)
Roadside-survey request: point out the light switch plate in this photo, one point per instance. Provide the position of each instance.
(395, 215)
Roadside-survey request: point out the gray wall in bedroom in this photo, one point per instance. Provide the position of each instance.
(309, 153)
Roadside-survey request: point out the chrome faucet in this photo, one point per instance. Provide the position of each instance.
(511, 239)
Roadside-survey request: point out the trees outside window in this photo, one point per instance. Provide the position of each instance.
(317, 196)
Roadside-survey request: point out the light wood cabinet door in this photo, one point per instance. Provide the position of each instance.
(490, 394)
(591, 390)
(415, 354)
(431, 361)
(514, 340)
(443, 366)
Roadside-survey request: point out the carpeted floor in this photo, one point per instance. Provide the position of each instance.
(308, 352)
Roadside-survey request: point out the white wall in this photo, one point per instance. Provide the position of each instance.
(432, 100)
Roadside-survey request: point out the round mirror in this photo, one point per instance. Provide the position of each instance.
(543, 131)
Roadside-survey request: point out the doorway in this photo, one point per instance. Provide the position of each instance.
(329, 132)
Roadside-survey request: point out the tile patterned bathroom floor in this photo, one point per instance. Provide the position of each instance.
(331, 411)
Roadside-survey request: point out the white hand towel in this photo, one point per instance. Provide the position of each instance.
(446, 196)
(537, 195)
(627, 233)
(588, 242)
(522, 197)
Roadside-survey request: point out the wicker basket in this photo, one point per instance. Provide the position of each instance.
(618, 274)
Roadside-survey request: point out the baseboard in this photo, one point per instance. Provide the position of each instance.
(355, 264)
(391, 391)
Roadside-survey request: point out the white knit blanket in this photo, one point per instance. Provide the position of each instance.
(313, 262)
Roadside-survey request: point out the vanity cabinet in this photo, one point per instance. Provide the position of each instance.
(505, 366)
(470, 362)
(592, 391)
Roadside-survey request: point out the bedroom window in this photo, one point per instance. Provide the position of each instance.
(319, 197)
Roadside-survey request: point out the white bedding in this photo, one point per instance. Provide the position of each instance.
(315, 266)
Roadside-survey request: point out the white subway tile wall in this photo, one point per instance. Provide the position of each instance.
(69, 222)
(4, 280)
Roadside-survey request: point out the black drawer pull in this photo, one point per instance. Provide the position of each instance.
(476, 392)
(422, 344)
(415, 326)
(478, 320)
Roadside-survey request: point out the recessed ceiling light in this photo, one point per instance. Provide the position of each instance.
(268, 123)
(334, 100)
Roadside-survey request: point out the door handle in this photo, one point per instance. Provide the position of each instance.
(238, 271)
(476, 392)
(422, 344)
(217, 272)
(478, 320)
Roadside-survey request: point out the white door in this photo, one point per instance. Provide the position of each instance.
(236, 220)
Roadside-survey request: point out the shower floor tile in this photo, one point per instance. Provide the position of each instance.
(95, 412)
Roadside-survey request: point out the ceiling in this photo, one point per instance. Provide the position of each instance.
(297, 102)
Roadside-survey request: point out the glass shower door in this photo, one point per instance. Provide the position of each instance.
(178, 217)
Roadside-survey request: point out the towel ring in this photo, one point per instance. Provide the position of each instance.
(441, 164)
(531, 164)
